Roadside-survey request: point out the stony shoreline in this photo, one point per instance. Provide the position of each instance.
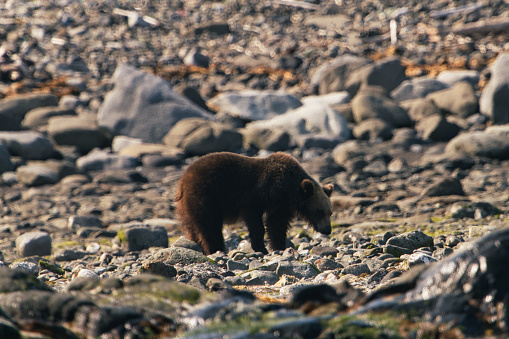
(104, 104)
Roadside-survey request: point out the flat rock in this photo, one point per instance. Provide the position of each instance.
(254, 105)
(451, 77)
(444, 186)
(481, 144)
(36, 174)
(33, 243)
(39, 117)
(373, 129)
(99, 160)
(180, 255)
(29, 145)
(82, 133)
(199, 137)
(270, 139)
(152, 110)
(419, 109)
(494, 100)
(417, 88)
(13, 110)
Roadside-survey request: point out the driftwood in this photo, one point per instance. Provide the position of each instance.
(482, 26)
(456, 10)
(299, 4)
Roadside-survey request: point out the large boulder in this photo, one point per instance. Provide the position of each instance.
(254, 105)
(144, 106)
(315, 124)
(437, 128)
(417, 88)
(459, 100)
(13, 110)
(371, 105)
(494, 100)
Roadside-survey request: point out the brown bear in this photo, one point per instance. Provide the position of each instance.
(226, 187)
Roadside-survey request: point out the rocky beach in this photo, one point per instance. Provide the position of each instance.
(402, 105)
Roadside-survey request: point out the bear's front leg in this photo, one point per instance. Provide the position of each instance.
(277, 227)
(254, 223)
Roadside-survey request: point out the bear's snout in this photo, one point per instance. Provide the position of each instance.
(324, 228)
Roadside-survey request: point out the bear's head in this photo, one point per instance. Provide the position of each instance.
(316, 207)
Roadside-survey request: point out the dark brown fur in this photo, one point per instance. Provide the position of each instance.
(226, 187)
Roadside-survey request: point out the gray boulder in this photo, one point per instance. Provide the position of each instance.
(82, 133)
(491, 143)
(137, 236)
(315, 119)
(99, 160)
(29, 145)
(417, 88)
(299, 270)
(387, 74)
(254, 105)
(143, 106)
(39, 117)
(180, 255)
(371, 105)
(419, 109)
(437, 128)
(13, 110)
(459, 100)
(331, 77)
(199, 137)
(33, 243)
(494, 100)
(274, 139)
(444, 187)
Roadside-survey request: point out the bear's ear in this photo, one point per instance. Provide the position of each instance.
(328, 189)
(307, 187)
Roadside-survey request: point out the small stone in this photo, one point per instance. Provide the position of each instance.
(356, 269)
(420, 258)
(76, 222)
(136, 237)
(444, 187)
(411, 240)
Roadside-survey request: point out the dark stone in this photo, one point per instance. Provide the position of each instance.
(302, 328)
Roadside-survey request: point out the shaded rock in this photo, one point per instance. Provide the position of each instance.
(141, 150)
(347, 151)
(76, 222)
(305, 328)
(315, 119)
(180, 255)
(153, 108)
(299, 270)
(356, 269)
(36, 174)
(6, 164)
(437, 128)
(411, 240)
(219, 28)
(494, 100)
(33, 243)
(158, 268)
(483, 144)
(417, 88)
(18, 280)
(186, 243)
(451, 77)
(477, 210)
(419, 109)
(273, 139)
(324, 251)
(29, 145)
(39, 117)
(99, 160)
(373, 129)
(459, 100)
(445, 186)
(387, 74)
(331, 77)
(254, 105)
(82, 133)
(199, 137)
(368, 105)
(136, 237)
(13, 110)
